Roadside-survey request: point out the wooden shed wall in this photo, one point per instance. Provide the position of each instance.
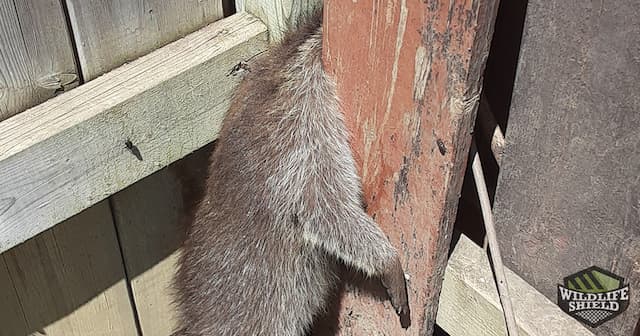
(568, 191)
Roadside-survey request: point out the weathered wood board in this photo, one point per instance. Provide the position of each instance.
(110, 33)
(36, 58)
(147, 215)
(58, 282)
(67, 281)
(568, 195)
(151, 230)
(469, 304)
(13, 320)
(279, 15)
(409, 77)
(75, 150)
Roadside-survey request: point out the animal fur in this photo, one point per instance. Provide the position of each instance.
(281, 207)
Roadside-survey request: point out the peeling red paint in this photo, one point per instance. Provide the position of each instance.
(404, 69)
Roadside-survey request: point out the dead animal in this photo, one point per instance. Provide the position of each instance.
(282, 206)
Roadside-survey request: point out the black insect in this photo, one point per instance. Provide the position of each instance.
(238, 69)
(441, 147)
(242, 66)
(133, 149)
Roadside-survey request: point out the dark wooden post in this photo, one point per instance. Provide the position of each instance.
(409, 77)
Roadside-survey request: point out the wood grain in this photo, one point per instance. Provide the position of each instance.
(36, 58)
(568, 195)
(71, 152)
(469, 304)
(49, 285)
(110, 33)
(279, 15)
(68, 281)
(12, 315)
(148, 218)
(409, 77)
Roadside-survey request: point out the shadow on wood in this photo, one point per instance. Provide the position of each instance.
(74, 270)
(356, 284)
(46, 279)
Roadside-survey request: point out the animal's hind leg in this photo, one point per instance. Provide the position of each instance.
(348, 233)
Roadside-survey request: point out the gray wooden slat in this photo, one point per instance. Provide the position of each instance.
(109, 33)
(279, 15)
(68, 281)
(148, 218)
(49, 285)
(36, 58)
(69, 153)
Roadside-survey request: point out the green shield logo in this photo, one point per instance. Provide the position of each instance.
(593, 296)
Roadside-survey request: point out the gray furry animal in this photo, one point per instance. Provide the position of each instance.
(281, 207)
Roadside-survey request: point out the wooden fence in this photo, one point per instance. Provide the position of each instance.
(99, 97)
(106, 270)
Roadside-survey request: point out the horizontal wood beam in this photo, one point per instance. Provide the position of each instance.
(77, 149)
(469, 302)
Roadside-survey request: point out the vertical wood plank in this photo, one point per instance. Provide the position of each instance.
(36, 58)
(409, 77)
(279, 15)
(12, 316)
(67, 281)
(148, 218)
(110, 33)
(568, 195)
(50, 282)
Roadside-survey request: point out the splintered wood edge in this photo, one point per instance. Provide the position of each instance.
(469, 302)
(69, 153)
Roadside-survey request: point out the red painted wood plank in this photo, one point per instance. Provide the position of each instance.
(409, 75)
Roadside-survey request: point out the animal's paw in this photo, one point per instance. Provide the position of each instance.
(394, 282)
